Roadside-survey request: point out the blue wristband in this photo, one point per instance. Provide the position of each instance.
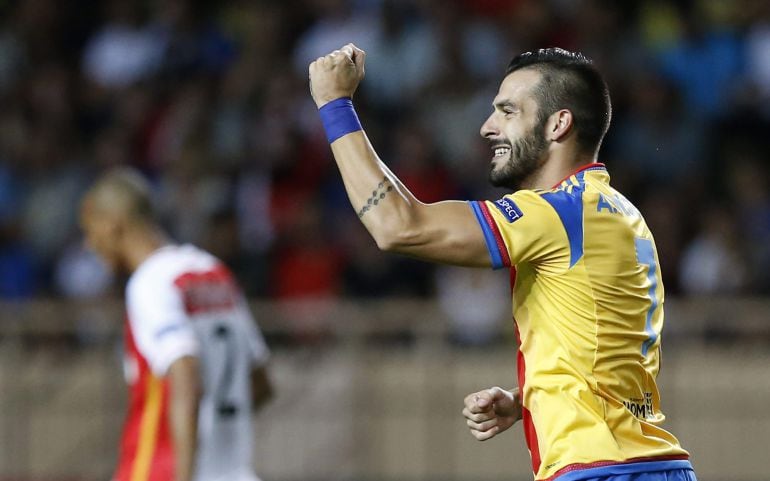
(339, 118)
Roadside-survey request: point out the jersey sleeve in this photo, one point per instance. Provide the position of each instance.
(159, 321)
(523, 228)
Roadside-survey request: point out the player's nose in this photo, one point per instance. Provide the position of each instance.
(489, 128)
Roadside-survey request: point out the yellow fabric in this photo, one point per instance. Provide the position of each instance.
(589, 321)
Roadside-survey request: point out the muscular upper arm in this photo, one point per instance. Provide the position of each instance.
(185, 392)
(446, 232)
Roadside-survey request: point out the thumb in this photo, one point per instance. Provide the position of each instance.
(359, 56)
(348, 50)
(497, 395)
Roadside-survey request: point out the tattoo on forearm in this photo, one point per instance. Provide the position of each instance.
(377, 195)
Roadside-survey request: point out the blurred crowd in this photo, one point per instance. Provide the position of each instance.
(210, 100)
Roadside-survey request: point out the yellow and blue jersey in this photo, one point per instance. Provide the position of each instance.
(588, 306)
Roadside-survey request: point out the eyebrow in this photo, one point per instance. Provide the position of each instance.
(504, 103)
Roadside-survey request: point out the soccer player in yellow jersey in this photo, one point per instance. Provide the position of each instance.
(587, 295)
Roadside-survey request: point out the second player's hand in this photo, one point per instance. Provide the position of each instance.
(491, 411)
(337, 74)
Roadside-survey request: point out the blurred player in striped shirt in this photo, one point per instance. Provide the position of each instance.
(195, 360)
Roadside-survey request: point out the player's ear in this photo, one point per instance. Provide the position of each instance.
(559, 125)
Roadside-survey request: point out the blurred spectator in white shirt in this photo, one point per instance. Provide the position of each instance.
(711, 263)
(124, 50)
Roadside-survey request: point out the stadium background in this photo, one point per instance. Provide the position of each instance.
(373, 353)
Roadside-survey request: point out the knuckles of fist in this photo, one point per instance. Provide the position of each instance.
(338, 57)
(336, 74)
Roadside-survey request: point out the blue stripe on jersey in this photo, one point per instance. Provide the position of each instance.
(645, 254)
(569, 206)
(647, 467)
(489, 236)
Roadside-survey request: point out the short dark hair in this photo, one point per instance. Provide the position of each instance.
(570, 81)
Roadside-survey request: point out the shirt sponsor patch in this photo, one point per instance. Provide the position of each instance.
(510, 210)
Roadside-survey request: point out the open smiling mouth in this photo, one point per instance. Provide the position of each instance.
(501, 151)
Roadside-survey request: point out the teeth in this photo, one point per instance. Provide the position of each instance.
(501, 151)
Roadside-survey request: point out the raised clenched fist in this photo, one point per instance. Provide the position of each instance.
(337, 74)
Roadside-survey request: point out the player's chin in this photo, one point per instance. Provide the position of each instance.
(497, 170)
(499, 161)
(495, 167)
(503, 178)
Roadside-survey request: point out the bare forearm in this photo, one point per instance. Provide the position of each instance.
(184, 422)
(445, 231)
(381, 201)
(183, 415)
(383, 204)
(441, 232)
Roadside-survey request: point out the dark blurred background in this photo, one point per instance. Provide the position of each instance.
(210, 100)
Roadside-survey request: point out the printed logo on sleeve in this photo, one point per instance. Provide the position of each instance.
(168, 329)
(510, 210)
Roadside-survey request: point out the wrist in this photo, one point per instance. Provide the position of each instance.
(327, 99)
(339, 118)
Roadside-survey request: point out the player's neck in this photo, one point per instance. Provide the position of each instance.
(556, 169)
(140, 243)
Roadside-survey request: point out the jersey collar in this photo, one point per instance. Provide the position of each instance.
(591, 166)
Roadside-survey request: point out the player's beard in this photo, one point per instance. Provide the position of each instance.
(525, 158)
